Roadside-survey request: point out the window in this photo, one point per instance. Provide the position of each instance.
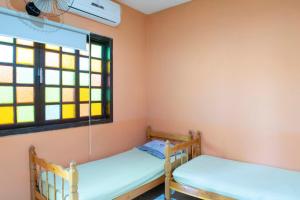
(46, 87)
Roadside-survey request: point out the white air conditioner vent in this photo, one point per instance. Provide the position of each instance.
(104, 11)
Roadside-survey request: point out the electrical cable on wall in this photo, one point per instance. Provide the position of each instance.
(90, 119)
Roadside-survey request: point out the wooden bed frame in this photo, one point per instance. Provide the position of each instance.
(38, 165)
(192, 149)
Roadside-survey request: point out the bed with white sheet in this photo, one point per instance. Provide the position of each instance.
(122, 176)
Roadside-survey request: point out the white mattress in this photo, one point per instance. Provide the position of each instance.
(111, 177)
(239, 180)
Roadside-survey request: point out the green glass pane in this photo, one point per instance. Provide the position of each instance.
(6, 53)
(84, 79)
(84, 64)
(52, 95)
(6, 95)
(52, 77)
(25, 75)
(108, 95)
(68, 78)
(25, 114)
(52, 112)
(96, 51)
(96, 94)
(108, 53)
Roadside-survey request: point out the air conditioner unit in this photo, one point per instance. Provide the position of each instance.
(104, 11)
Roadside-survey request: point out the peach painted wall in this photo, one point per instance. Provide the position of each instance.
(230, 68)
(62, 146)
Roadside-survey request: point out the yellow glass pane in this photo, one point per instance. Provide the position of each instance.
(52, 47)
(84, 94)
(68, 61)
(25, 56)
(96, 109)
(96, 65)
(6, 74)
(84, 110)
(24, 42)
(25, 94)
(51, 59)
(7, 115)
(68, 111)
(68, 94)
(108, 67)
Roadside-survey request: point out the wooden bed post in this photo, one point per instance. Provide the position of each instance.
(33, 173)
(148, 132)
(168, 168)
(199, 145)
(73, 182)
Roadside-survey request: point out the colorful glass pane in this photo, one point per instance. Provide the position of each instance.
(25, 114)
(84, 79)
(85, 53)
(96, 109)
(6, 95)
(108, 81)
(7, 115)
(84, 94)
(6, 39)
(96, 65)
(52, 59)
(68, 94)
(108, 95)
(25, 56)
(52, 47)
(52, 112)
(96, 51)
(52, 77)
(68, 78)
(68, 61)
(25, 95)
(6, 74)
(108, 67)
(68, 111)
(108, 53)
(83, 64)
(52, 95)
(84, 110)
(96, 80)
(25, 42)
(96, 94)
(108, 108)
(6, 53)
(68, 50)
(25, 75)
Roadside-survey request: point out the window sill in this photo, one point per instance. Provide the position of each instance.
(42, 128)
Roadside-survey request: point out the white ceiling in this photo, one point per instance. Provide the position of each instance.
(152, 6)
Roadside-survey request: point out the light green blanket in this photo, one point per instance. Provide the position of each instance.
(239, 180)
(111, 177)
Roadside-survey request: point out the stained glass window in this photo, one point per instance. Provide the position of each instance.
(68, 111)
(25, 56)
(45, 84)
(52, 59)
(6, 74)
(6, 53)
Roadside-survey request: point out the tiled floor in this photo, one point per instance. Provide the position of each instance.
(158, 194)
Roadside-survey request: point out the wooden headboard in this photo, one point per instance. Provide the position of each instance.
(151, 134)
